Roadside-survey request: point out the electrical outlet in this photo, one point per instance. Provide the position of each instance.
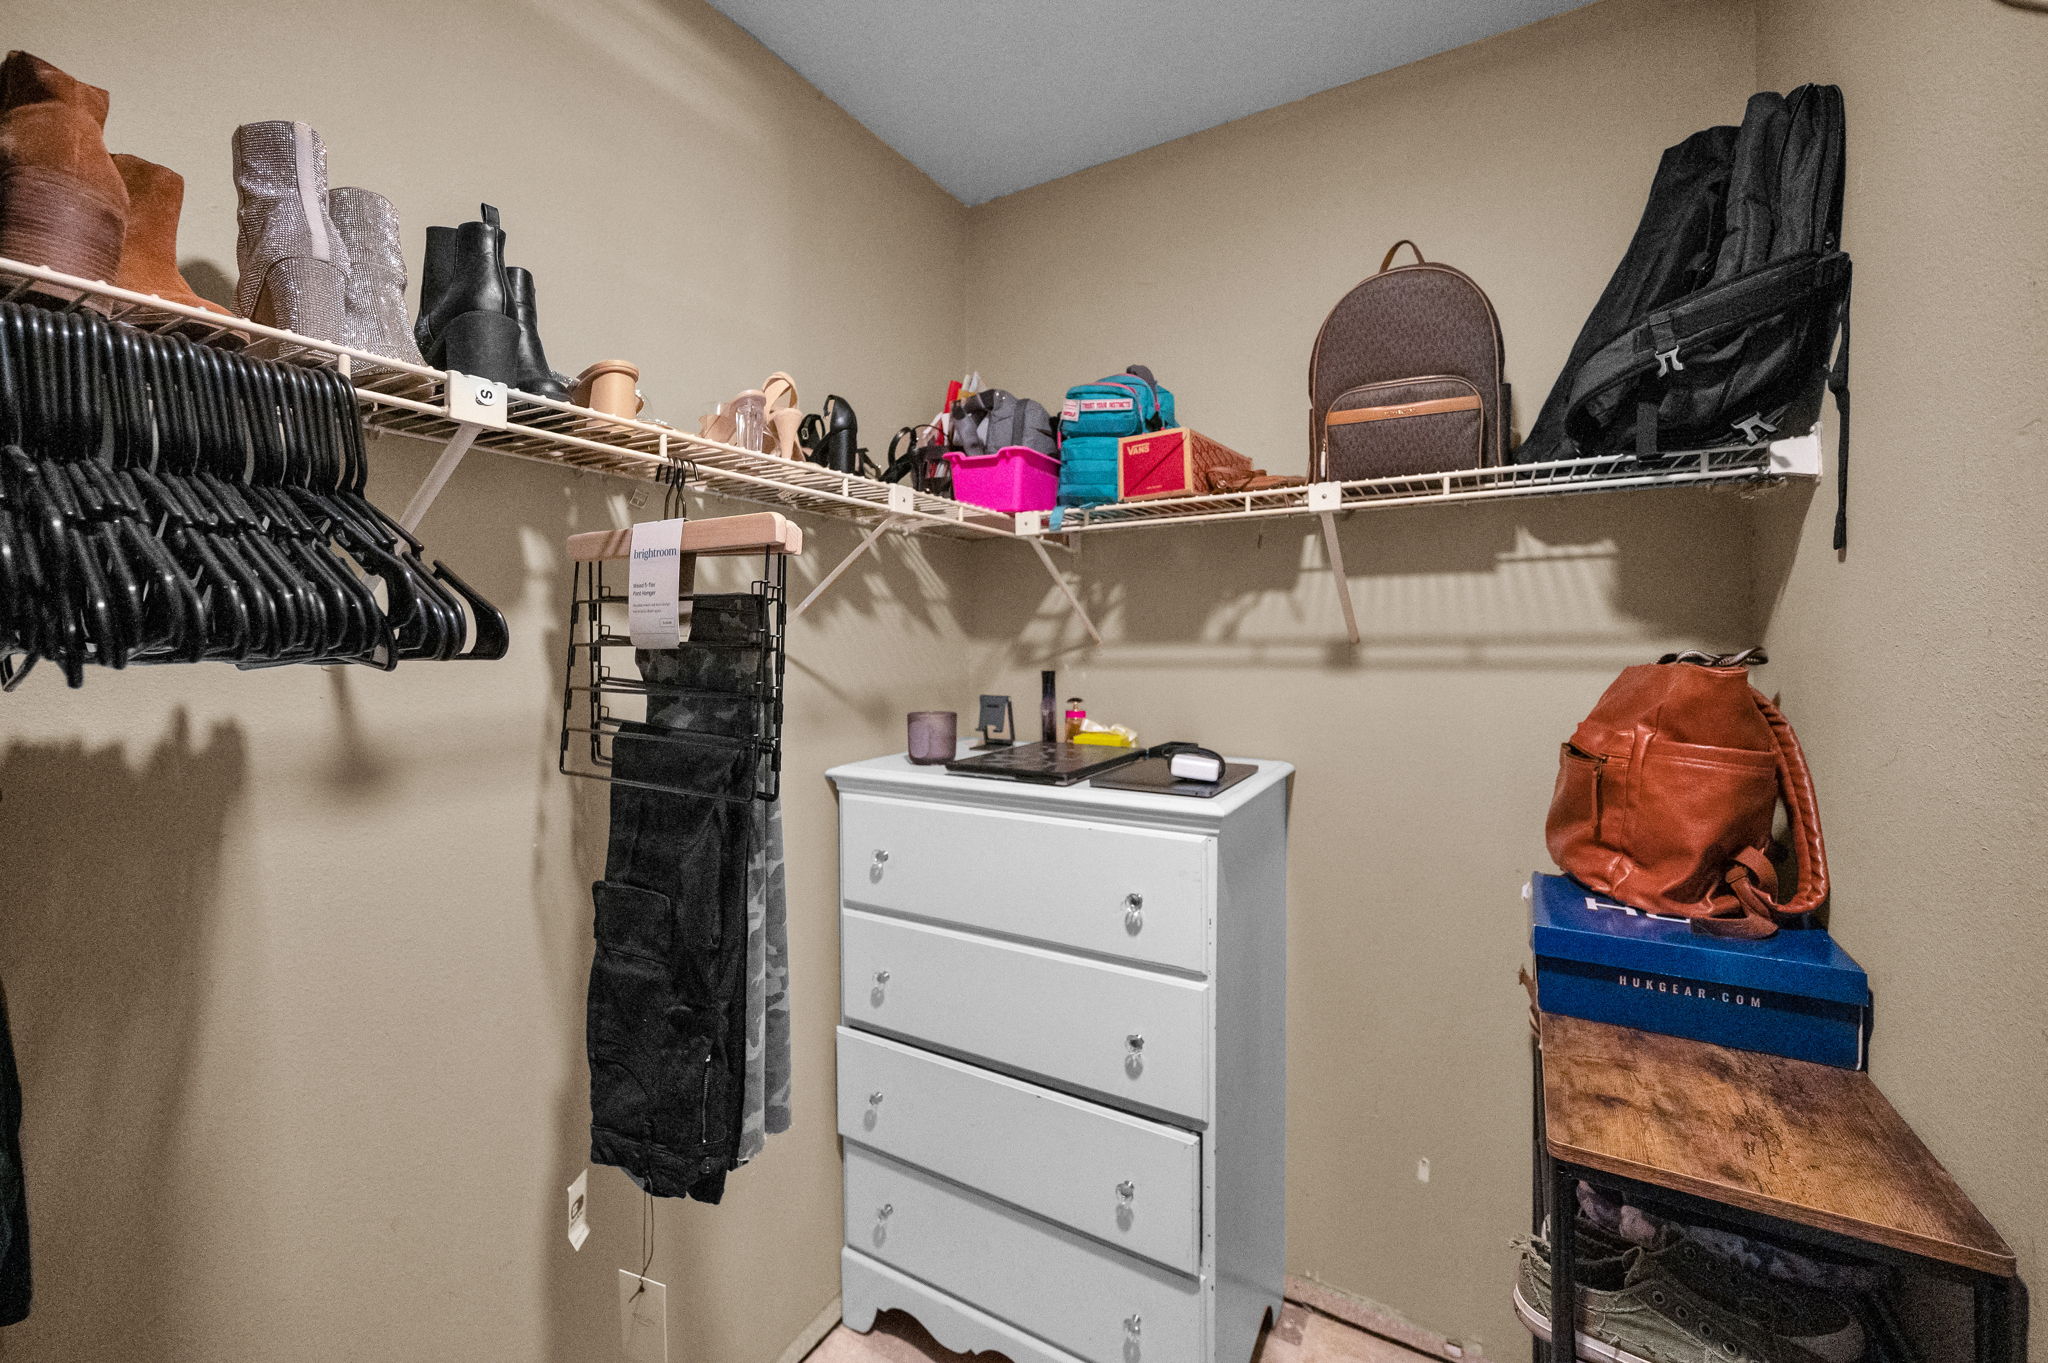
(1422, 1171)
(643, 1318)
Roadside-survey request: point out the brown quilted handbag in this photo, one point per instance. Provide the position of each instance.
(1667, 792)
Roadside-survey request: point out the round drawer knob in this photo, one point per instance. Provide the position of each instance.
(1134, 1323)
(880, 856)
(1134, 912)
(1134, 902)
(875, 1098)
(881, 977)
(886, 1210)
(1126, 1191)
(1135, 1041)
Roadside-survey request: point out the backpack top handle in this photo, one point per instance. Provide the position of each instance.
(1387, 260)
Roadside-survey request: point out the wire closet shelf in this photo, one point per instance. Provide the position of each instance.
(1728, 465)
(412, 400)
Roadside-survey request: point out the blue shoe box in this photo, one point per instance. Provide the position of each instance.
(1794, 994)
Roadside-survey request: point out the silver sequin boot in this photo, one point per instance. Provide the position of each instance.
(294, 265)
(374, 301)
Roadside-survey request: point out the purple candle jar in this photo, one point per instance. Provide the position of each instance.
(934, 736)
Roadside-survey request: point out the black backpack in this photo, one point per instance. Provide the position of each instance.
(1719, 323)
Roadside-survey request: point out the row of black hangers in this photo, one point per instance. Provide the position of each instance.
(167, 501)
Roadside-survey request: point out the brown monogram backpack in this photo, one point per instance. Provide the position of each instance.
(1667, 792)
(1405, 377)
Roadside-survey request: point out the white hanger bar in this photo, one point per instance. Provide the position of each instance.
(757, 532)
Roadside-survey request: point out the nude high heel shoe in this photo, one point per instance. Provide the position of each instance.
(740, 422)
(611, 387)
(782, 415)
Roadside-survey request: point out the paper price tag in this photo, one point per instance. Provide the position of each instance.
(579, 1210)
(652, 617)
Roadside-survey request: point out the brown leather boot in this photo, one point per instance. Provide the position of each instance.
(62, 203)
(149, 249)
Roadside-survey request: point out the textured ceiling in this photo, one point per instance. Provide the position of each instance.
(989, 97)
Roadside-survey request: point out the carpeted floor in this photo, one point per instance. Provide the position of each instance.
(1302, 1336)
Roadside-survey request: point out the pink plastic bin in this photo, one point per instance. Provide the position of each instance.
(1014, 478)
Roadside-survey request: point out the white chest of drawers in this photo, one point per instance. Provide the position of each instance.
(1062, 1064)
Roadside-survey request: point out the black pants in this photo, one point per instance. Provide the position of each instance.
(14, 1276)
(666, 1030)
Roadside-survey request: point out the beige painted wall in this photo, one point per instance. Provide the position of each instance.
(297, 958)
(1426, 754)
(1914, 664)
(1911, 668)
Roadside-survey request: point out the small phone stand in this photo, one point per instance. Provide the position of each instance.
(996, 726)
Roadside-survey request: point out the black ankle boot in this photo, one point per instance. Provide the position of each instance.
(465, 317)
(533, 375)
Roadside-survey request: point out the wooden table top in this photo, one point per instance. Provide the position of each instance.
(1809, 1144)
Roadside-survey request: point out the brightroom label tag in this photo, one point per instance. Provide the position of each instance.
(652, 615)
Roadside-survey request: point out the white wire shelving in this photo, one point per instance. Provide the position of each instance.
(1725, 465)
(461, 412)
(429, 404)
(1745, 465)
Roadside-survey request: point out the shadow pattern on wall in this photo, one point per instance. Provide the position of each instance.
(1556, 584)
(112, 865)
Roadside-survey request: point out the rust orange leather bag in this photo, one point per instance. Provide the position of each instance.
(1667, 793)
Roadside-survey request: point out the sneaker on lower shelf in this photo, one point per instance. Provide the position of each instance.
(1821, 1324)
(1759, 1258)
(1817, 1321)
(1632, 1311)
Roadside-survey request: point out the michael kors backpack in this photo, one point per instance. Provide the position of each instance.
(1406, 378)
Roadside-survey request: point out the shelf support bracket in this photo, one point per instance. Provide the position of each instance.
(1037, 547)
(1336, 553)
(476, 405)
(437, 478)
(867, 543)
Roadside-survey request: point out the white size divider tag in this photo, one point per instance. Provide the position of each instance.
(478, 402)
(652, 615)
(579, 1210)
(643, 1318)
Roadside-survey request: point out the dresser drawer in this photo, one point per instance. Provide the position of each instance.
(1133, 1183)
(1097, 1303)
(1130, 1035)
(1134, 893)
